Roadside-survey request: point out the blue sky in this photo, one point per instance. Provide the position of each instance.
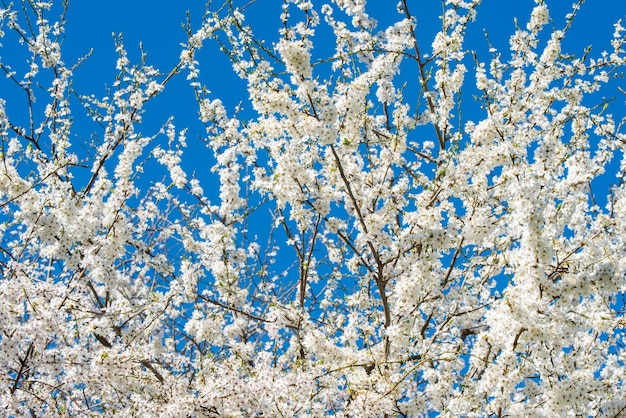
(157, 24)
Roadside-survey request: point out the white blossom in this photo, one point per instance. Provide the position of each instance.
(361, 239)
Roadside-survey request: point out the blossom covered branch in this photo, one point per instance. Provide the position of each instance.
(355, 248)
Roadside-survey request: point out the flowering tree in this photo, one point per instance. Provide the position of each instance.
(356, 247)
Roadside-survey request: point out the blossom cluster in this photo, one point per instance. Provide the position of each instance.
(355, 248)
